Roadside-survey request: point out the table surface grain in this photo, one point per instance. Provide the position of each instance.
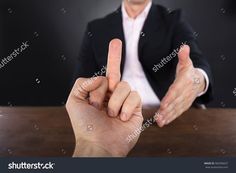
(47, 132)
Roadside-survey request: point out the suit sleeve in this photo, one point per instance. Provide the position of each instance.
(86, 64)
(183, 33)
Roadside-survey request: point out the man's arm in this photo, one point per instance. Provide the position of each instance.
(185, 34)
(190, 83)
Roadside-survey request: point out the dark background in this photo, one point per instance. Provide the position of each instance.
(42, 74)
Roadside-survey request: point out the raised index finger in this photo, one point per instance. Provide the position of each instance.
(113, 63)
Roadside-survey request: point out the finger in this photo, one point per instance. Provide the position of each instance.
(96, 97)
(170, 96)
(184, 56)
(172, 116)
(181, 107)
(177, 112)
(168, 102)
(176, 90)
(117, 99)
(164, 112)
(131, 105)
(113, 63)
(176, 109)
(167, 112)
(83, 86)
(159, 120)
(184, 59)
(179, 99)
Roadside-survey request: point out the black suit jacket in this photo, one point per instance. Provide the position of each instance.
(162, 33)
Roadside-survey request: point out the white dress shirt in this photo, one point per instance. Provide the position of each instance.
(133, 71)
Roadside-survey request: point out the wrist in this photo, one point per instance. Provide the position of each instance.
(85, 148)
(200, 82)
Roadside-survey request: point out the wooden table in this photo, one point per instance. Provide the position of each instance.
(46, 131)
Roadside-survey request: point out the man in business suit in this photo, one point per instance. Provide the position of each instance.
(155, 60)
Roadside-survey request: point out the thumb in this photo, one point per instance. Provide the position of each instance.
(184, 57)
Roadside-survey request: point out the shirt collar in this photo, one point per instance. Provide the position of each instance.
(143, 14)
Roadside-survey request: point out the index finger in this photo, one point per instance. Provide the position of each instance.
(113, 63)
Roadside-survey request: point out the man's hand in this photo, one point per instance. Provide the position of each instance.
(189, 83)
(97, 132)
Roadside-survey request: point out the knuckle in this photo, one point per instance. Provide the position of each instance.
(165, 106)
(97, 78)
(174, 110)
(162, 106)
(127, 107)
(79, 80)
(124, 84)
(67, 106)
(136, 95)
(180, 100)
(173, 87)
(172, 93)
(104, 80)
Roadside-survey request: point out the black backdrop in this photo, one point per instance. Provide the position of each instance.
(42, 74)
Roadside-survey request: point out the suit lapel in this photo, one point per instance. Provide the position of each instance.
(152, 26)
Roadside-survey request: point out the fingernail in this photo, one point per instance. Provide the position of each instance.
(123, 116)
(111, 113)
(163, 122)
(160, 124)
